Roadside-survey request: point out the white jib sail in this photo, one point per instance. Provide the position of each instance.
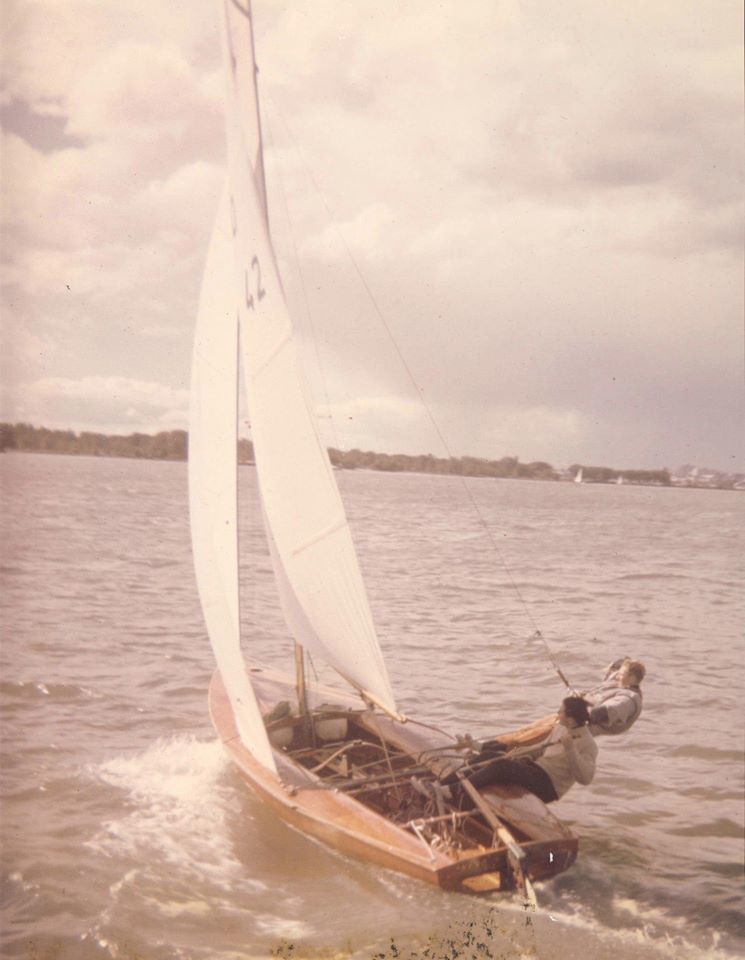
(213, 480)
(318, 575)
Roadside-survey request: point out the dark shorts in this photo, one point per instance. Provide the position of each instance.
(522, 772)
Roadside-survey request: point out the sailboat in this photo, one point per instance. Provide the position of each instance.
(578, 476)
(346, 768)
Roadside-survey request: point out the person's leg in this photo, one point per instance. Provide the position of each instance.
(491, 750)
(523, 773)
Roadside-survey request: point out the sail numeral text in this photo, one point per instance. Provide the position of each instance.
(255, 286)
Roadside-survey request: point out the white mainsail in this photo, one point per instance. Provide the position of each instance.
(213, 480)
(321, 588)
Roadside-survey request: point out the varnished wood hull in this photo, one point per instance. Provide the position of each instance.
(345, 823)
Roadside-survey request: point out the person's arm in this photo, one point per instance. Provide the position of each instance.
(599, 716)
(610, 679)
(614, 667)
(535, 750)
(582, 764)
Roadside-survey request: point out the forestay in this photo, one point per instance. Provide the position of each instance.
(316, 567)
(213, 480)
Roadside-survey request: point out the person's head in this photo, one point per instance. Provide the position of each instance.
(632, 673)
(574, 712)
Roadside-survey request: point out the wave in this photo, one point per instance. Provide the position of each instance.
(706, 753)
(178, 815)
(694, 577)
(38, 689)
(722, 827)
(560, 931)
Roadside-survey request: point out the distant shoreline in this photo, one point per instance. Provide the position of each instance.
(173, 445)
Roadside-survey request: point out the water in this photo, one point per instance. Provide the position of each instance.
(127, 834)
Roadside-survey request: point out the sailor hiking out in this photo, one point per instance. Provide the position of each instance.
(548, 769)
(616, 702)
(559, 750)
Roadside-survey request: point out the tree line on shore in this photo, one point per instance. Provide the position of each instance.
(168, 445)
(506, 467)
(173, 445)
(659, 478)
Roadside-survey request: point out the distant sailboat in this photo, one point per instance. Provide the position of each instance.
(578, 476)
(619, 480)
(337, 766)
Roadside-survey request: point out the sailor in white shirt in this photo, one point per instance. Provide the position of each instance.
(565, 757)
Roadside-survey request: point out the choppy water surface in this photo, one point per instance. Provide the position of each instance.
(127, 834)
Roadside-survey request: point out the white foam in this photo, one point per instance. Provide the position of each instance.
(395, 884)
(648, 915)
(95, 935)
(180, 812)
(181, 908)
(282, 927)
(116, 888)
(664, 945)
(26, 885)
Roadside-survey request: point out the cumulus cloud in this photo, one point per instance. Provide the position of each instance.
(563, 110)
(108, 234)
(544, 202)
(59, 402)
(361, 421)
(367, 235)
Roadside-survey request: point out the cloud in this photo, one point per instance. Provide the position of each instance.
(368, 235)
(610, 107)
(96, 389)
(108, 236)
(530, 433)
(27, 353)
(97, 401)
(99, 260)
(361, 422)
(50, 48)
(543, 202)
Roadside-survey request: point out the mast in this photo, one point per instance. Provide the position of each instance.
(318, 576)
(302, 693)
(260, 176)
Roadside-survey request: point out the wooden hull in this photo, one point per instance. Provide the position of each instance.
(351, 818)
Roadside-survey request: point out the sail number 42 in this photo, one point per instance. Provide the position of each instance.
(253, 284)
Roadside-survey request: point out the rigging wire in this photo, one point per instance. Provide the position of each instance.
(537, 633)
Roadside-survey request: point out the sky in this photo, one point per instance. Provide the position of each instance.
(505, 228)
